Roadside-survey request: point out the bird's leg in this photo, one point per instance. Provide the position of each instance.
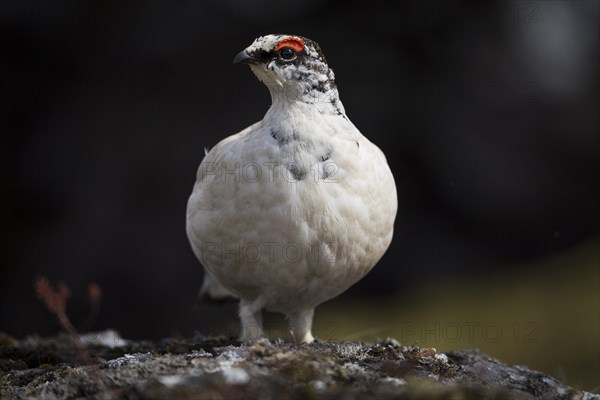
(301, 325)
(251, 318)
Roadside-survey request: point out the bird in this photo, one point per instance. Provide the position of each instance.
(296, 208)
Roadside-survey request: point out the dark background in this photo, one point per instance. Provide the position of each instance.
(488, 114)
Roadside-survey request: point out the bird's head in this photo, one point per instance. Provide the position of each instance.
(292, 67)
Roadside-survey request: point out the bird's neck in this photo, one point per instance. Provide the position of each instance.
(310, 98)
(308, 120)
(294, 107)
(312, 93)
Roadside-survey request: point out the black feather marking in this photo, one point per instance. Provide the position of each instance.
(283, 139)
(327, 155)
(297, 173)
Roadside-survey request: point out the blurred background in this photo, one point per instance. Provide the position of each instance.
(488, 114)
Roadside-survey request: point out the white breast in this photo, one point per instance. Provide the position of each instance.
(295, 218)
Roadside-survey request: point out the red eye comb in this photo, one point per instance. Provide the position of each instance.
(295, 43)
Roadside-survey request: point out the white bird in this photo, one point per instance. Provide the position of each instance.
(293, 210)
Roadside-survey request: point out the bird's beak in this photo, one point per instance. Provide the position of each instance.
(245, 58)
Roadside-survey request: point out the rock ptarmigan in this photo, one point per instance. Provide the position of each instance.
(294, 209)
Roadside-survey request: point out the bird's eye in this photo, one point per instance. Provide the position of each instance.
(287, 53)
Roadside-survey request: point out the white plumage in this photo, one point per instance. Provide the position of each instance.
(293, 210)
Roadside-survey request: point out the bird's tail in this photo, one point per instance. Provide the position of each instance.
(212, 292)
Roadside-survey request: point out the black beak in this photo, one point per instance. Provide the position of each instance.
(244, 58)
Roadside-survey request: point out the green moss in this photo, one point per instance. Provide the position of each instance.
(340, 374)
(5, 382)
(300, 372)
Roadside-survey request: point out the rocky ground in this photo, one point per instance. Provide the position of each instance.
(222, 368)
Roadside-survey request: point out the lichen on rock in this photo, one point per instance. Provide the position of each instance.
(223, 368)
